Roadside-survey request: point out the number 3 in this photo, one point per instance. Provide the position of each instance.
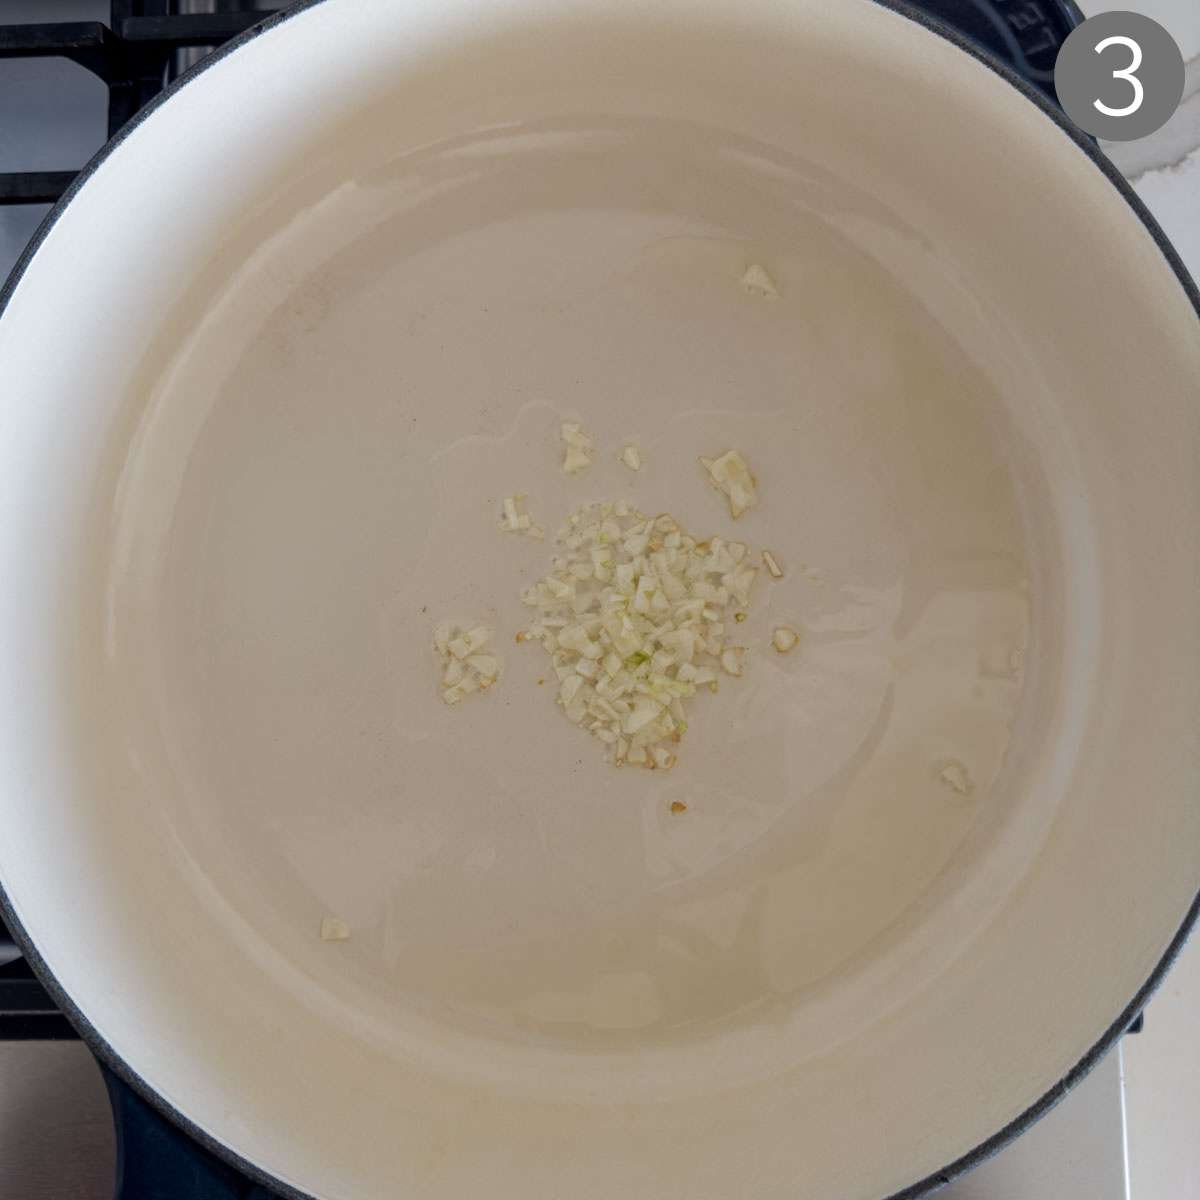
(1127, 73)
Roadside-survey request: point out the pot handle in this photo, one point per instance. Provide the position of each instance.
(158, 1161)
(1025, 35)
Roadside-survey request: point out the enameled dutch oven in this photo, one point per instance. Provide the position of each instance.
(268, 371)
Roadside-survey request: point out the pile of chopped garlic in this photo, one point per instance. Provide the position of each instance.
(465, 668)
(633, 617)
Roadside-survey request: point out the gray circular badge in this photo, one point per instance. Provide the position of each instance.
(1119, 76)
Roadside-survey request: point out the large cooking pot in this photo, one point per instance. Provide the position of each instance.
(266, 376)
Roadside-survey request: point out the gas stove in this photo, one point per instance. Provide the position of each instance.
(72, 72)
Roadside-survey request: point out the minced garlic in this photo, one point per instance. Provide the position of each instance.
(785, 639)
(577, 455)
(633, 616)
(730, 474)
(465, 669)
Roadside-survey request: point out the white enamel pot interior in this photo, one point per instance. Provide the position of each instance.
(265, 382)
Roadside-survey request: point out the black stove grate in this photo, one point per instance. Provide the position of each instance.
(136, 54)
(27, 1011)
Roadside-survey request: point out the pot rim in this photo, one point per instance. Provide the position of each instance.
(109, 1057)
